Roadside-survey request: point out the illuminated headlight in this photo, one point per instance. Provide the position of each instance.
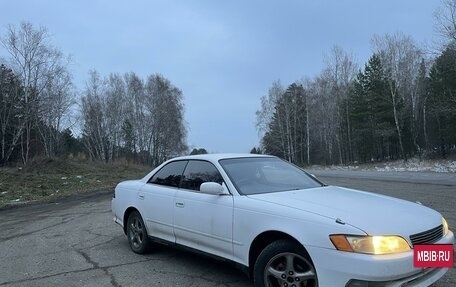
(445, 226)
(370, 244)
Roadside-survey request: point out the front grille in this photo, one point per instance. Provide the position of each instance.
(428, 236)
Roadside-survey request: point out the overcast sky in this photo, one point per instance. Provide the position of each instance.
(223, 55)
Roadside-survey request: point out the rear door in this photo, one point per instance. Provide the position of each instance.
(156, 200)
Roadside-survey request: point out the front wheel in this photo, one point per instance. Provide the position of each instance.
(285, 264)
(137, 233)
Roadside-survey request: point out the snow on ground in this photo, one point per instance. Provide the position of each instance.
(413, 164)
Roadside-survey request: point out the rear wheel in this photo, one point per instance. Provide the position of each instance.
(286, 264)
(137, 233)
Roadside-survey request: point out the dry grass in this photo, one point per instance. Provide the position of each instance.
(47, 179)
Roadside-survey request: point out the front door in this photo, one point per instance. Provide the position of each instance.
(203, 221)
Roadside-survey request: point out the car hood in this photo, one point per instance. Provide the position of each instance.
(374, 214)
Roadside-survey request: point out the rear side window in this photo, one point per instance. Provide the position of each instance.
(170, 174)
(198, 172)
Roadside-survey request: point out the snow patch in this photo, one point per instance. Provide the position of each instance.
(417, 165)
(414, 164)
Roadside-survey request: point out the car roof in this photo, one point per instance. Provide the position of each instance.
(219, 156)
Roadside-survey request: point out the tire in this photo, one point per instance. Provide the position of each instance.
(286, 264)
(137, 234)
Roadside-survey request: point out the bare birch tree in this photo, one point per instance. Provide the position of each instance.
(136, 115)
(341, 71)
(55, 103)
(37, 63)
(166, 119)
(445, 18)
(10, 103)
(325, 119)
(401, 59)
(114, 110)
(267, 106)
(94, 118)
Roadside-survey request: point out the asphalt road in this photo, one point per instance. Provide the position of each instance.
(75, 243)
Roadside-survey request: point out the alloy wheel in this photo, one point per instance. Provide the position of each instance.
(136, 233)
(289, 270)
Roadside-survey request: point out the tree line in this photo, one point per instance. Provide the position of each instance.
(119, 116)
(401, 104)
(127, 116)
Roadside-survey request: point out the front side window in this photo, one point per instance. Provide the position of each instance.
(198, 172)
(170, 174)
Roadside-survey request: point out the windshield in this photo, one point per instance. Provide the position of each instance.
(254, 175)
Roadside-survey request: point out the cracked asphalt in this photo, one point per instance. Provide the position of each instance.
(74, 242)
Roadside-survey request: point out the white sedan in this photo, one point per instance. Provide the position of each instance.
(283, 226)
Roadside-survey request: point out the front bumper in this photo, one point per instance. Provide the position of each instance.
(338, 268)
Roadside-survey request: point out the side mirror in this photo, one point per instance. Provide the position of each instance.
(212, 188)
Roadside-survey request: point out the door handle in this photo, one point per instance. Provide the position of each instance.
(180, 204)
